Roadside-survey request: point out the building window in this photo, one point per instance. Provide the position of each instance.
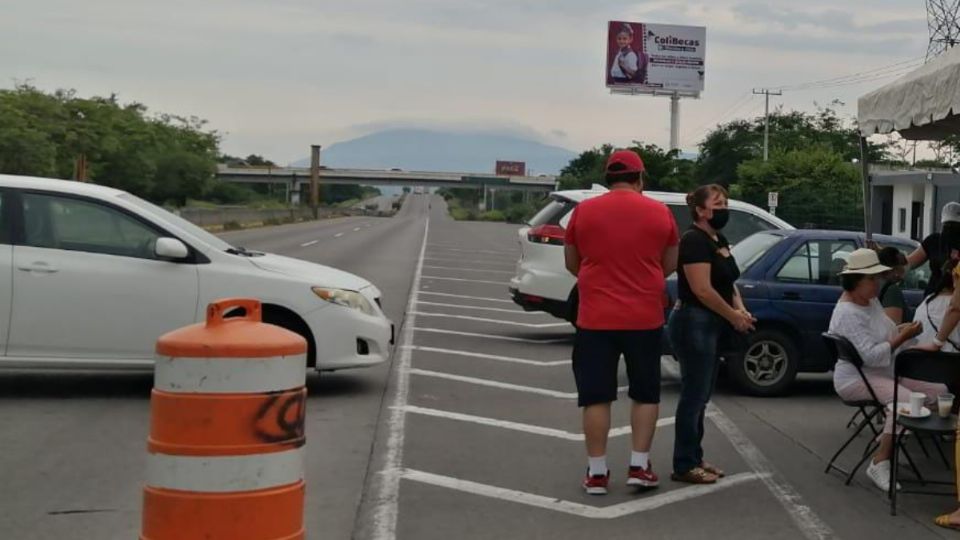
(903, 220)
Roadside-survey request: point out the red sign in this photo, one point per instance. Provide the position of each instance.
(511, 168)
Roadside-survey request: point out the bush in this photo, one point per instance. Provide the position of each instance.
(272, 221)
(232, 226)
(520, 213)
(493, 215)
(462, 214)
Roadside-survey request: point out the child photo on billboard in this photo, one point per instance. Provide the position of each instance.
(626, 57)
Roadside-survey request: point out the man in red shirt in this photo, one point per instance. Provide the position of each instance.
(621, 246)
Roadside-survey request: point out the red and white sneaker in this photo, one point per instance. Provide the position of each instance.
(640, 477)
(596, 485)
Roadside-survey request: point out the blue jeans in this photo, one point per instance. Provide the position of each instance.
(694, 334)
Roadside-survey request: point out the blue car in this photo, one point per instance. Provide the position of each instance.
(789, 281)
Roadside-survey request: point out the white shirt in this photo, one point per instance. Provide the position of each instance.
(869, 330)
(935, 309)
(630, 59)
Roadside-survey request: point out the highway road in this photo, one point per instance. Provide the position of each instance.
(471, 431)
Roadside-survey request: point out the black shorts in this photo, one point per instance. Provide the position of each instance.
(596, 358)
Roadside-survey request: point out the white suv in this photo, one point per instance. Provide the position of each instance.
(91, 276)
(542, 282)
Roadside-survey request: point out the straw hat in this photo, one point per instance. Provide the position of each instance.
(864, 261)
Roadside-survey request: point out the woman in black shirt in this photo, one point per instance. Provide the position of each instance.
(708, 305)
(939, 247)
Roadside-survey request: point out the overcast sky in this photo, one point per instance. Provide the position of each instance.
(276, 76)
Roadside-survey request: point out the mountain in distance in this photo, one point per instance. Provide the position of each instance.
(442, 151)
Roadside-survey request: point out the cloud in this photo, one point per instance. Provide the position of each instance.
(278, 76)
(850, 21)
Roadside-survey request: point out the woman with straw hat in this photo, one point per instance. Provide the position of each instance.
(860, 318)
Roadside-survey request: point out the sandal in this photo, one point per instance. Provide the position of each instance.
(944, 521)
(712, 469)
(696, 475)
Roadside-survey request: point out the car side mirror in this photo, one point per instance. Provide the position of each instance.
(171, 248)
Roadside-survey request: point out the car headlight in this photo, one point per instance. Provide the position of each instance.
(341, 297)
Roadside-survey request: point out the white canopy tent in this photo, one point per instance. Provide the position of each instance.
(922, 105)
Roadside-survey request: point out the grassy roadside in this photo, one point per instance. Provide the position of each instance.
(461, 210)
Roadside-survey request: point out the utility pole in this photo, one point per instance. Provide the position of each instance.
(766, 119)
(315, 179)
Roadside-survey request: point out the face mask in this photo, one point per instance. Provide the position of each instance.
(720, 218)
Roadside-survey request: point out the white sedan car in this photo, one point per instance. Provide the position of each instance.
(542, 282)
(91, 276)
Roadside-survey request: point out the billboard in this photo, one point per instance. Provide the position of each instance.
(511, 168)
(655, 58)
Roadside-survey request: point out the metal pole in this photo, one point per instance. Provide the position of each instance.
(675, 121)
(867, 195)
(315, 179)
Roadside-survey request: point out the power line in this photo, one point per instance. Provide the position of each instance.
(898, 66)
(736, 104)
(860, 77)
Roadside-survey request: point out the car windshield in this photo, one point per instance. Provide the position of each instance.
(159, 212)
(750, 249)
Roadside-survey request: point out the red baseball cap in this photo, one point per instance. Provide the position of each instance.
(630, 161)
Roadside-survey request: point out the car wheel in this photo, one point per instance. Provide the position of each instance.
(288, 320)
(768, 365)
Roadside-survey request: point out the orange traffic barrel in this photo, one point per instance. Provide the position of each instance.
(226, 445)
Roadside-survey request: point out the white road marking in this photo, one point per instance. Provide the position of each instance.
(517, 426)
(308, 244)
(803, 516)
(502, 385)
(387, 497)
(356, 229)
(483, 270)
(338, 235)
(481, 308)
(489, 336)
(492, 252)
(501, 283)
(447, 295)
(809, 523)
(507, 359)
(493, 321)
(466, 261)
(578, 509)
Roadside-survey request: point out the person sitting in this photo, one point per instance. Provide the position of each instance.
(931, 311)
(891, 295)
(859, 317)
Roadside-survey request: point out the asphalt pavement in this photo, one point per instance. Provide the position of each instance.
(471, 431)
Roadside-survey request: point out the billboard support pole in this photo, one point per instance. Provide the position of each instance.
(675, 121)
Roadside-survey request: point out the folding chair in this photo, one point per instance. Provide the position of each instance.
(930, 367)
(870, 409)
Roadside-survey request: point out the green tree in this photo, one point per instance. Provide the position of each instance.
(733, 143)
(255, 160)
(159, 157)
(664, 169)
(818, 187)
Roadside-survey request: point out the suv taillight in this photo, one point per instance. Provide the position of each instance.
(546, 234)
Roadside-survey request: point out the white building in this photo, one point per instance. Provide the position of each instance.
(908, 203)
